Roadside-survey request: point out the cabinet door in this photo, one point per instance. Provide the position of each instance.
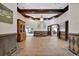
(21, 30)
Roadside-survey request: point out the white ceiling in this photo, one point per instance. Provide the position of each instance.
(42, 5)
(43, 15)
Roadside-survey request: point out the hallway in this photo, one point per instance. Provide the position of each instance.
(43, 46)
(39, 29)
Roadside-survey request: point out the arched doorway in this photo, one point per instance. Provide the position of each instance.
(54, 30)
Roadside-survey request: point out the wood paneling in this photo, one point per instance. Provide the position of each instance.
(45, 11)
(37, 11)
(74, 43)
(8, 43)
(42, 11)
(62, 35)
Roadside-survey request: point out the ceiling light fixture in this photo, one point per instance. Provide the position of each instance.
(41, 19)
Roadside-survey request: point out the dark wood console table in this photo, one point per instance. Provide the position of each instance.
(40, 33)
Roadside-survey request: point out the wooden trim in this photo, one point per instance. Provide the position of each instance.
(43, 11)
(58, 29)
(66, 29)
(21, 20)
(6, 34)
(8, 43)
(64, 10)
(53, 24)
(18, 29)
(62, 32)
(75, 34)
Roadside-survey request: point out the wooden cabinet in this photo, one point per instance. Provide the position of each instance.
(21, 30)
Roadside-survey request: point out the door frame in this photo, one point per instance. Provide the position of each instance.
(58, 30)
(66, 30)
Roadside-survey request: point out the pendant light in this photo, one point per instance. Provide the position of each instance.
(41, 19)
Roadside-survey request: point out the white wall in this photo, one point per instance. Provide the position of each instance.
(9, 28)
(58, 20)
(50, 22)
(64, 17)
(72, 15)
(61, 20)
(74, 18)
(21, 17)
(34, 24)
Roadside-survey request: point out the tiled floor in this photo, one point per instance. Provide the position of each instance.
(43, 46)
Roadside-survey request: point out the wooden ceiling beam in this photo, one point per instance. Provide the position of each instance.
(40, 11)
(45, 11)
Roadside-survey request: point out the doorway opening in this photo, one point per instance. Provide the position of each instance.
(29, 31)
(64, 29)
(53, 30)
